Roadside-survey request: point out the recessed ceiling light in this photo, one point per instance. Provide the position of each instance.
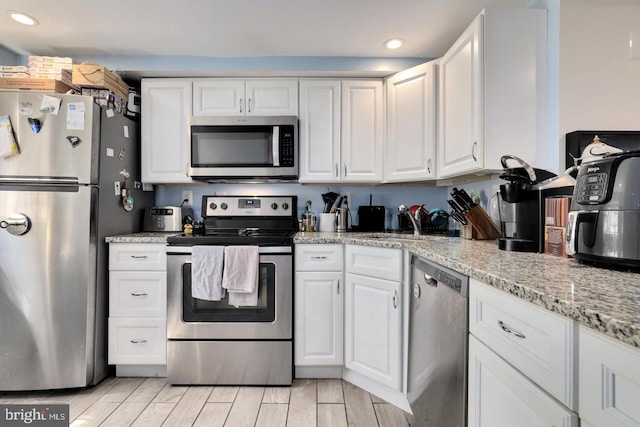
(23, 18)
(393, 43)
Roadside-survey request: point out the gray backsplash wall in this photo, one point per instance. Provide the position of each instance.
(390, 195)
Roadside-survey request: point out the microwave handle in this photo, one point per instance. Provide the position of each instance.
(276, 146)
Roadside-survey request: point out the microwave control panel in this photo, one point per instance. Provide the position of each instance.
(287, 146)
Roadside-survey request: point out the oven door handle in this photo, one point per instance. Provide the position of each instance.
(182, 250)
(275, 144)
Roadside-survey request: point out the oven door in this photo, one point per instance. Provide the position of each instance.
(190, 318)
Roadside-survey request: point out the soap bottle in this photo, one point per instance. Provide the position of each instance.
(309, 218)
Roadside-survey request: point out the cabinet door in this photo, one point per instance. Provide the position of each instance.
(460, 130)
(500, 396)
(218, 97)
(372, 328)
(166, 107)
(362, 131)
(411, 125)
(318, 318)
(609, 381)
(272, 97)
(319, 130)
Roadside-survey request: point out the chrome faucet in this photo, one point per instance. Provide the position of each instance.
(415, 218)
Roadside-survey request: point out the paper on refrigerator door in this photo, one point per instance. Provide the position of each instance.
(8, 143)
(75, 115)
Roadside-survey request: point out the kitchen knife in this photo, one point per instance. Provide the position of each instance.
(456, 207)
(460, 218)
(467, 198)
(461, 201)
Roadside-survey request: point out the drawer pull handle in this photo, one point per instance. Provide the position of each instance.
(138, 341)
(318, 257)
(509, 330)
(139, 256)
(338, 286)
(139, 294)
(395, 299)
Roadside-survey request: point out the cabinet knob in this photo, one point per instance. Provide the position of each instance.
(395, 299)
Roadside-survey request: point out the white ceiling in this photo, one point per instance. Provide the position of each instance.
(239, 28)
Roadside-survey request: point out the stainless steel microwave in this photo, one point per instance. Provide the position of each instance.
(246, 148)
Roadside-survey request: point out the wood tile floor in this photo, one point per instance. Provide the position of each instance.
(150, 402)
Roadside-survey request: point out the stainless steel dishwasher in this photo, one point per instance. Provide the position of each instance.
(438, 328)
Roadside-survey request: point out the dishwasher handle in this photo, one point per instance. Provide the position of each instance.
(436, 274)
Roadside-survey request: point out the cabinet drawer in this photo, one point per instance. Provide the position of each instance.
(382, 263)
(609, 381)
(137, 341)
(138, 294)
(500, 396)
(540, 344)
(310, 257)
(137, 256)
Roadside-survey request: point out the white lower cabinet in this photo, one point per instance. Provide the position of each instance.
(319, 305)
(522, 362)
(609, 381)
(372, 328)
(500, 396)
(137, 308)
(373, 314)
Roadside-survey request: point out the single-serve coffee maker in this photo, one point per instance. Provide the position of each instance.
(522, 204)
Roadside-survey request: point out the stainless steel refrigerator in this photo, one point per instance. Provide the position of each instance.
(58, 202)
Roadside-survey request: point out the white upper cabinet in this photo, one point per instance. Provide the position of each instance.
(319, 130)
(166, 107)
(341, 130)
(242, 97)
(492, 96)
(411, 125)
(362, 130)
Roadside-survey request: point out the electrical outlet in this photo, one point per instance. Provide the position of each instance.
(116, 187)
(188, 196)
(348, 197)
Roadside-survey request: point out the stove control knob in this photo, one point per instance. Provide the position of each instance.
(224, 206)
(213, 206)
(285, 206)
(274, 206)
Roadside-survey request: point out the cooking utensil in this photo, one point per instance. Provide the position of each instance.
(329, 199)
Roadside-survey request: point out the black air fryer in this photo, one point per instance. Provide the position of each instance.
(522, 201)
(605, 212)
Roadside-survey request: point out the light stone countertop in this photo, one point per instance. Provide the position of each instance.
(144, 237)
(605, 300)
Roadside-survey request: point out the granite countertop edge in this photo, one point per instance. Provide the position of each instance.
(574, 292)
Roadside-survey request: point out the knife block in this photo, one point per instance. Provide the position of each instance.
(481, 226)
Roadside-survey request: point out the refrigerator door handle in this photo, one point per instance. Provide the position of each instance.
(16, 224)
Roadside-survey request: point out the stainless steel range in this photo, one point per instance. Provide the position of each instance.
(218, 341)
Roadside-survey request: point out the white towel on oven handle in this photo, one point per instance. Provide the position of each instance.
(240, 277)
(206, 272)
